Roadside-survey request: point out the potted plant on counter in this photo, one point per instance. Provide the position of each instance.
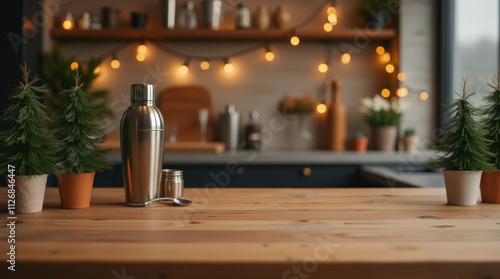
(359, 142)
(490, 181)
(27, 146)
(410, 140)
(383, 116)
(464, 154)
(78, 153)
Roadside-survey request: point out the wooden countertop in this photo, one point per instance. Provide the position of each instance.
(260, 233)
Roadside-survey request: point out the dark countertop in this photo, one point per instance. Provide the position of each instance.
(297, 157)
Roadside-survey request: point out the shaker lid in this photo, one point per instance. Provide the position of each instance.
(142, 92)
(171, 173)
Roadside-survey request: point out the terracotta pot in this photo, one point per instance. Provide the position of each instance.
(384, 137)
(410, 143)
(30, 192)
(490, 187)
(359, 144)
(75, 189)
(262, 18)
(462, 187)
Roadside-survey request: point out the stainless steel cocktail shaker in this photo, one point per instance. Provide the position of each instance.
(142, 139)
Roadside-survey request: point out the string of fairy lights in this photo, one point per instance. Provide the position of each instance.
(206, 61)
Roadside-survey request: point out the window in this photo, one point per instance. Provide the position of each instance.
(468, 47)
(476, 45)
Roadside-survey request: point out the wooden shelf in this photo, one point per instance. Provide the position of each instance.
(203, 34)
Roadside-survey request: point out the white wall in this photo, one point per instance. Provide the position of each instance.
(261, 85)
(417, 53)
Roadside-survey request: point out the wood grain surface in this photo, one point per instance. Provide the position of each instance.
(260, 233)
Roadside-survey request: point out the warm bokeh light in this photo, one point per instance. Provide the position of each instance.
(321, 108)
(228, 67)
(294, 40)
(67, 24)
(269, 56)
(389, 68)
(401, 76)
(332, 18)
(142, 48)
(74, 66)
(115, 64)
(140, 57)
(402, 92)
(204, 65)
(385, 58)
(380, 50)
(97, 70)
(328, 27)
(331, 10)
(323, 68)
(346, 58)
(183, 69)
(424, 95)
(385, 93)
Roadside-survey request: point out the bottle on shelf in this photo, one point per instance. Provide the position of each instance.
(253, 138)
(187, 16)
(243, 16)
(85, 22)
(336, 120)
(262, 18)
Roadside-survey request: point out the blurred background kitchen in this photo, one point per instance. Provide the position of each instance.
(416, 50)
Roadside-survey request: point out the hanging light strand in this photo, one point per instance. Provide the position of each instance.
(142, 48)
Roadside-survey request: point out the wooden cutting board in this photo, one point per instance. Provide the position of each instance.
(180, 104)
(113, 142)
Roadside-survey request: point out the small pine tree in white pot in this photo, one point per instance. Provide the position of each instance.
(464, 154)
(27, 146)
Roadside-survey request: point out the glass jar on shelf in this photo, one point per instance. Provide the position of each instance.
(187, 16)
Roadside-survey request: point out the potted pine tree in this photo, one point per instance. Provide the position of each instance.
(78, 153)
(27, 145)
(490, 181)
(464, 151)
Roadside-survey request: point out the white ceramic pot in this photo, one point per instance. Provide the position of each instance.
(462, 187)
(30, 192)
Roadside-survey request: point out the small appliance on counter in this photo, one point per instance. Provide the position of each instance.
(253, 139)
(230, 125)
